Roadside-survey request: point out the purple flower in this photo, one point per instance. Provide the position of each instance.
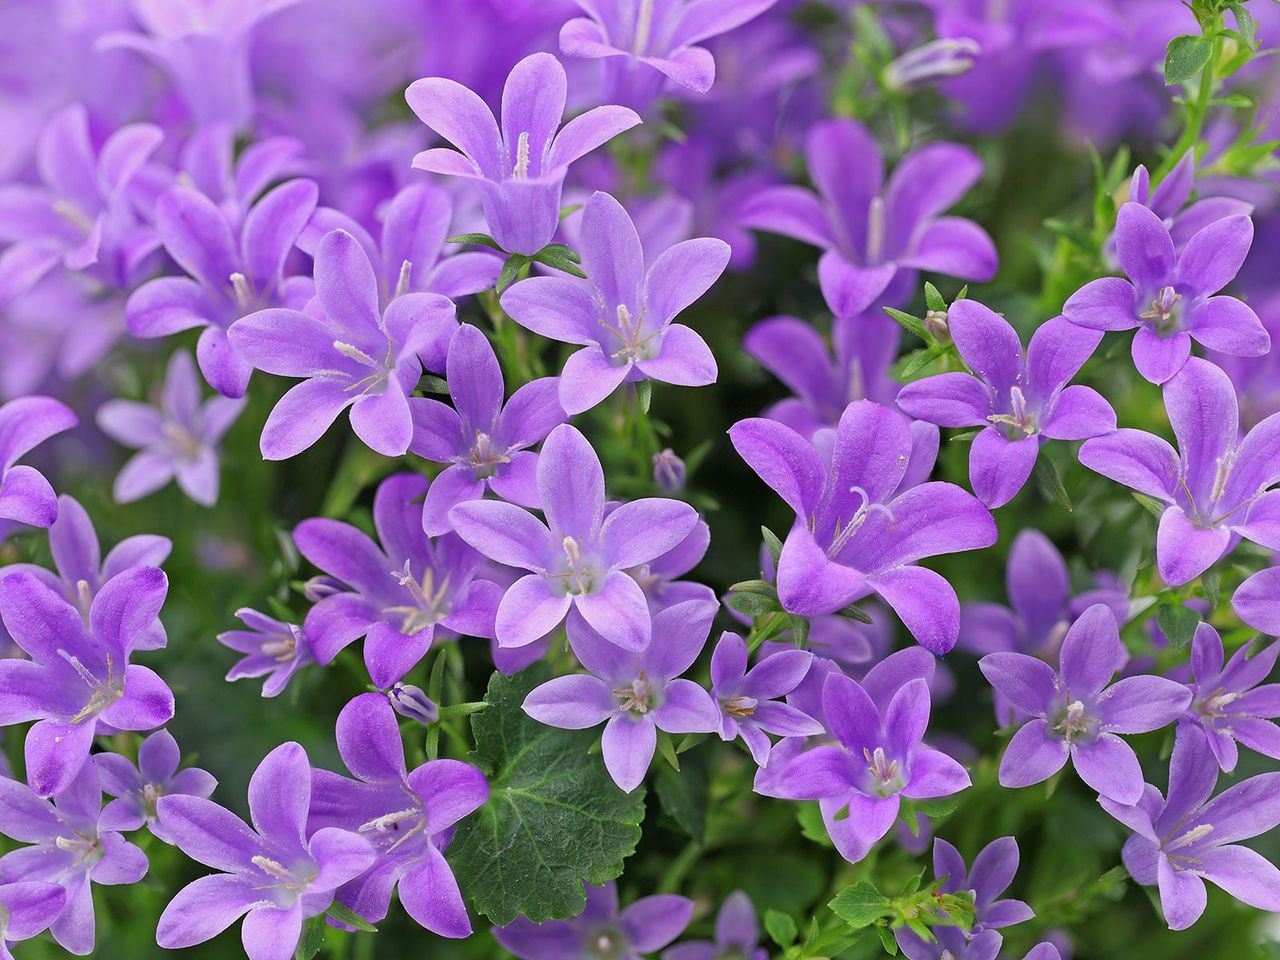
(578, 558)
(176, 440)
(25, 423)
(623, 314)
(272, 649)
(519, 170)
(79, 675)
(857, 530)
(1169, 297)
(659, 577)
(1168, 201)
(397, 595)
(638, 693)
(1183, 840)
(643, 45)
(748, 700)
(993, 870)
(1077, 713)
(210, 164)
(484, 441)
(1229, 702)
(1018, 401)
(737, 935)
(872, 232)
(408, 816)
(646, 926)
(81, 571)
(1257, 601)
(28, 909)
(229, 276)
(1215, 485)
(413, 703)
(273, 874)
(878, 759)
(138, 788)
(350, 353)
(69, 847)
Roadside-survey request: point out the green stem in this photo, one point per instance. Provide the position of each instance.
(1197, 110)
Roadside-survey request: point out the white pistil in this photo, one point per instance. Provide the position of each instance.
(521, 169)
(875, 231)
(352, 352)
(1190, 837)
(865, 509)
(402, 282)
(241, 290)
(1222, 474)
(644, 27)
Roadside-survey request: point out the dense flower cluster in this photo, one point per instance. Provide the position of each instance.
(542, 254)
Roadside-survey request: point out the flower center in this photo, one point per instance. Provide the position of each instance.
(102, 693)
(1213, 707)
(578, 576)
(636, 698)
(629, 331)
(845, 533)
(886, 776)
(1163, 311)
(282, 647)
(381, 371)
(186, 445)
(85, 847)
(875, 231)
(644, 28)
(1075, 723)
(484, 458)
(739, 706)
(277, 876)
(1019, 422)
(429, 604)
(389, 831)
(241, 291)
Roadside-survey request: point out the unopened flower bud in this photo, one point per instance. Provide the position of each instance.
(668, 471)
(931, 62)
(935, 321)
(319, 587)
(412, 702)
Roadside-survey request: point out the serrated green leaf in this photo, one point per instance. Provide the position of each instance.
(475, 240)
(860, 905)
(772, 544)
(909, 323)
(1185, 56)
(344, 914)
(554, 818)
(781, 928)
(1178, 623)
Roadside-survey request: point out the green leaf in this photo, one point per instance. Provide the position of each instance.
(348, 916)
(854, 612)
(1185, 57)
(772, 544)
(781, 928)
(1178, 623)
(433, 384)
(939, 806)
(800, 631)
(644, 395)
(762, 587)
(312, 939)
(683, 796)
(809, 816)
(964, 436)
(1211, 582)
(1150, 504)
(554, 818)
(915, 362)
(933, 299)
(1247, 26)
(560, 257)
(475, 240)
(510, 270)
(753, 604)
(860, 905)
(667, 748)
(909, 323)
(887, 940)
(1051, 483)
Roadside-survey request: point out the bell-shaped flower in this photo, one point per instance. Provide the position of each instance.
(750, 700)
(272, 649)
(138, 787)
(25, 495)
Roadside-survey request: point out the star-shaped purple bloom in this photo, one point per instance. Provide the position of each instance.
(646, 926)
(578, 558)
(638, 693)
(643, 45)
(234, 179)
(520, 168)
(1018, 401)
(137, 788)
(859, 528)
(79, 673)
(1169, 297)
(408, 816)
(1184, 839)
(68, 846)
(874, 233)
(272, 649)
(1230, 702)
(176, 440)
(28, 907)
(1257, 601)
(622, 314)
(273, 874)
(659, 577)
(25, 495)
(737, 935)
(879, 758)
(349, 352)
(748, 699)
(1217, 483)
(232, 270)
(397, 595)
(484, 441)
(1077, 713)
(1168, 201)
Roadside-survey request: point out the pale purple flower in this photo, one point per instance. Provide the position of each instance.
(68, 846)
(233, 269)
(1216, 484)
(137, 788)
(79, 676)
(272, 649)
(28, 907)
(408, 816)
(484, 441)
(876, 235)
(659, 578)
(399, 595)
(349, 352)
(1168, 201)
(748, 700)
(643, 45)
(737, 935)
(1184, 839)
(993, 870)
(622, 314)
(578, 558)
(412, 702)
(878, 759)
(1018, 401)
(860, 524)
(273, 874)
(931, 63)
(1078, 713)
(25, 423)
(1169, 297)
(1257, 601)
(210, 163)
(635, 694)
(177, 440)
(1231, 702)
(600, 930)
(520, 169)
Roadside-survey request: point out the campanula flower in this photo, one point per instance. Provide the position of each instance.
(25, 495)
(272, 649)
(29, 908)
(138, 787)
(1168, 201)
(737, 935)
(749, 700)
(1257, 601)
